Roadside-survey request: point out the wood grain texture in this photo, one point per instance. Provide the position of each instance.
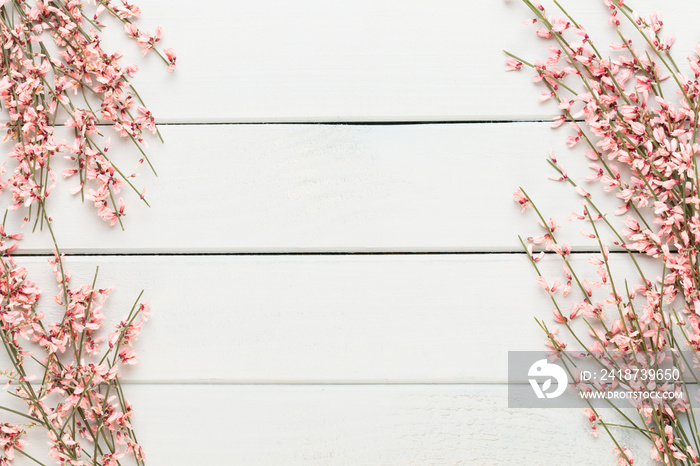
(326, 319)
(367, 60)
(296, 188)
(360, 425)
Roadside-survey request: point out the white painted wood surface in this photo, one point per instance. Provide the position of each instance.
(353, 61)
(328, 319)
(330, 188)
(365, 60)
(284, 359)
(357, 425)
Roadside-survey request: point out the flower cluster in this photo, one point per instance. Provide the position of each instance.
(67, 372)
(80, 398)
(35, 88)
(10, 438)
(80, 401)
(642, 145)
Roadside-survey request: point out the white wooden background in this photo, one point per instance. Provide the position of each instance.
(340, 287)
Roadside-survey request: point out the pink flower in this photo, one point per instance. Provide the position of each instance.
(172, 58)
(625, 457)
(511, 63)
(521, 198)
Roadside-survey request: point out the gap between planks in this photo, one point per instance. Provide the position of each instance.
(351, 123)
(306, 253)
(330, 383)
(284, 254)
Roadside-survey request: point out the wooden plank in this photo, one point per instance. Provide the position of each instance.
(367, 425)
(293, 188)
(327, 319)
(367, 60)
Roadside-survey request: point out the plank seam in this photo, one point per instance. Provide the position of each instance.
(323, 384)
(310, 253)
(351, 123)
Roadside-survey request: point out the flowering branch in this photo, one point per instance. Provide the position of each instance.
(643, 147)
(51, 53)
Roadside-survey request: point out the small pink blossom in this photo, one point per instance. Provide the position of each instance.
(512, 64)
(521, 198)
